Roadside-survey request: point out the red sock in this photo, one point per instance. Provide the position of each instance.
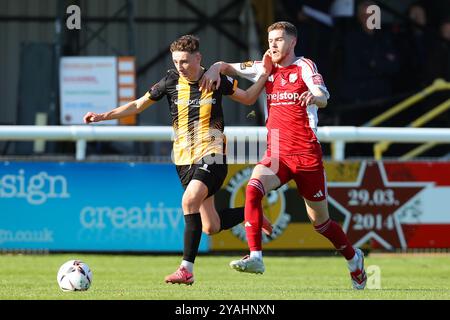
(333, 232)
(254, 214)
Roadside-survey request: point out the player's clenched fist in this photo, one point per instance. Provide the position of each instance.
(92, 117)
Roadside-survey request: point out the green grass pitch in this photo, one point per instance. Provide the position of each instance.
(293, 278)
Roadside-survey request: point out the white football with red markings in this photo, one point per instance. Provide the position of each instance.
(74, 275)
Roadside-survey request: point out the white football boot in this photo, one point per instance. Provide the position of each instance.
(359, 277)
(249, 265)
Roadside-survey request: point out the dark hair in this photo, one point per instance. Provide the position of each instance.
(186, 43)
(288, 27)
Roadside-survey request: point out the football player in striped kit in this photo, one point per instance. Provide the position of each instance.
(199, 145)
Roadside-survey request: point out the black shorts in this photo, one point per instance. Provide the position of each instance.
(212, 175)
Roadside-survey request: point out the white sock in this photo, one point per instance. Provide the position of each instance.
(188, 265)
(353, 263)
(256, 254)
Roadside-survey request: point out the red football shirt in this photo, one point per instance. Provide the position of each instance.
(292, 129)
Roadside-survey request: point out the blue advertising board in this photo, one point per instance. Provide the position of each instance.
(71, 206)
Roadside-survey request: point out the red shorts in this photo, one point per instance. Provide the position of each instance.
(311, 181)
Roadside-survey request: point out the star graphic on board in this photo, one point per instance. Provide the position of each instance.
(371, 205)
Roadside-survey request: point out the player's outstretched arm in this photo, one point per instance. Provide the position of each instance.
(211, 78)
(131, 108)
(249, 96)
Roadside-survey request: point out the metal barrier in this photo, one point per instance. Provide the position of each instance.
(438, 85)
(337, 135)
(380, 147)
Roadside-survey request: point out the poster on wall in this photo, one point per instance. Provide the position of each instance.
(87, 84)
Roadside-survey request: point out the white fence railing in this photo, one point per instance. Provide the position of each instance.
(337, 135)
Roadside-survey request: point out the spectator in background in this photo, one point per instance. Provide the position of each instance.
(438, 65)
(370, 61)
(414, 43)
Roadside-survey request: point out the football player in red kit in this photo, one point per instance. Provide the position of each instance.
(294, 90)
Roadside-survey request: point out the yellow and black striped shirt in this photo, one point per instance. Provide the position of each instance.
(197, 116)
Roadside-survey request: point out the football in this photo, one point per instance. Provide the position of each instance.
(74, 275)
